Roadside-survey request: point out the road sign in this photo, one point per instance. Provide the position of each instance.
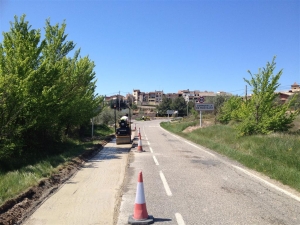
(170, 111)
(201, 99)
(204, 107)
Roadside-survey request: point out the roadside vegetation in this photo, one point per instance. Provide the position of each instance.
(47, 100)
(262, 133)
(276, 155)
(32, 170)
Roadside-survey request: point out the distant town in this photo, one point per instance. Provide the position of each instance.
(155, 97)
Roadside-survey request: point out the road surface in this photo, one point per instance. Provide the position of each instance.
(91, 196)
(188, 184)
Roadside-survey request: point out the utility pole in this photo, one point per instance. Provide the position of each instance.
(115, 119)
(246, 93)
(187, 107)
(119, 100)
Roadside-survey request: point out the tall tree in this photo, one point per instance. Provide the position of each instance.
(260, 114)
(43, 91)
(19, 63)
(179, 104)
(164, 106)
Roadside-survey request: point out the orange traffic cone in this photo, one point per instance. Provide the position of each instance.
(140, 215)
(140, 147)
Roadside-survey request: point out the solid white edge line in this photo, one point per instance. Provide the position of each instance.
(165, 183)
(179, 219)
(180, 138)
(268, 183)
(246, 172)
(155, 160)
(200, 148)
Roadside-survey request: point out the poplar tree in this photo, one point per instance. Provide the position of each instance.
(19, 63)
(43, 91)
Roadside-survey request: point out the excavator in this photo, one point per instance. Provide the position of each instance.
(123, 132)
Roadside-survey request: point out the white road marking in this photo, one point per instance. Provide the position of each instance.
(200, 149)
(268, 183)
(180, 138)
(243, 170)
(151, 150)
(165, 183)
(155, 160)
(179, 219)
(148, 142)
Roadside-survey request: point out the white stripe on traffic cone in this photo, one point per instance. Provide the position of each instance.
(140, 215)
(140, 147)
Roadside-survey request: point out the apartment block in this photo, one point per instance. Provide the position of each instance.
(155, 97)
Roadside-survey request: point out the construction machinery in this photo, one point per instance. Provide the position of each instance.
(123, 132)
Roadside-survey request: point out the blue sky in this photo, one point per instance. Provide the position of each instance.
(206, 45)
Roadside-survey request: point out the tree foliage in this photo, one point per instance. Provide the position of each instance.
(229, 108)
(294, 101)
(260, 114)
(179, 105)
(164, 106)
(107, 116)
(43, 91)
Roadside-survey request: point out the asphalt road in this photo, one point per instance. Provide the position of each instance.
(188, 184)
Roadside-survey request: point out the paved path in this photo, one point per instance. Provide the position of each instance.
(92, 195)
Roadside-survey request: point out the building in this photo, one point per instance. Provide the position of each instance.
(194, 95)
(295, 87)
(136, 95)
(155, 97)
(147, 98)
(284, 95)
(171, 95)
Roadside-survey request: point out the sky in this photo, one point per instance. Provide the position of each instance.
(172, 45)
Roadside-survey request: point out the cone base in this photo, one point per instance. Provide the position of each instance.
(149, 220)
(139, 149)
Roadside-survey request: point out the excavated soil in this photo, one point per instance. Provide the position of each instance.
(14, 211)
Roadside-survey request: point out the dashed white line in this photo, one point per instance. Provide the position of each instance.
(155, 160)
(165, 183)
(151, 150)
(179, 219)
(243, 170)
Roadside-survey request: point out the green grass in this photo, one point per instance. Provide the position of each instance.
(16, 181)
(275, 155)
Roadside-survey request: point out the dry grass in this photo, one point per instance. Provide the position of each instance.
(296, 124)
(277, 155)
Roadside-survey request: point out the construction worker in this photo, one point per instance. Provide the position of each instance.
(125, 118)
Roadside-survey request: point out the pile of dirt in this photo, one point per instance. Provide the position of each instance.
(14, 211)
